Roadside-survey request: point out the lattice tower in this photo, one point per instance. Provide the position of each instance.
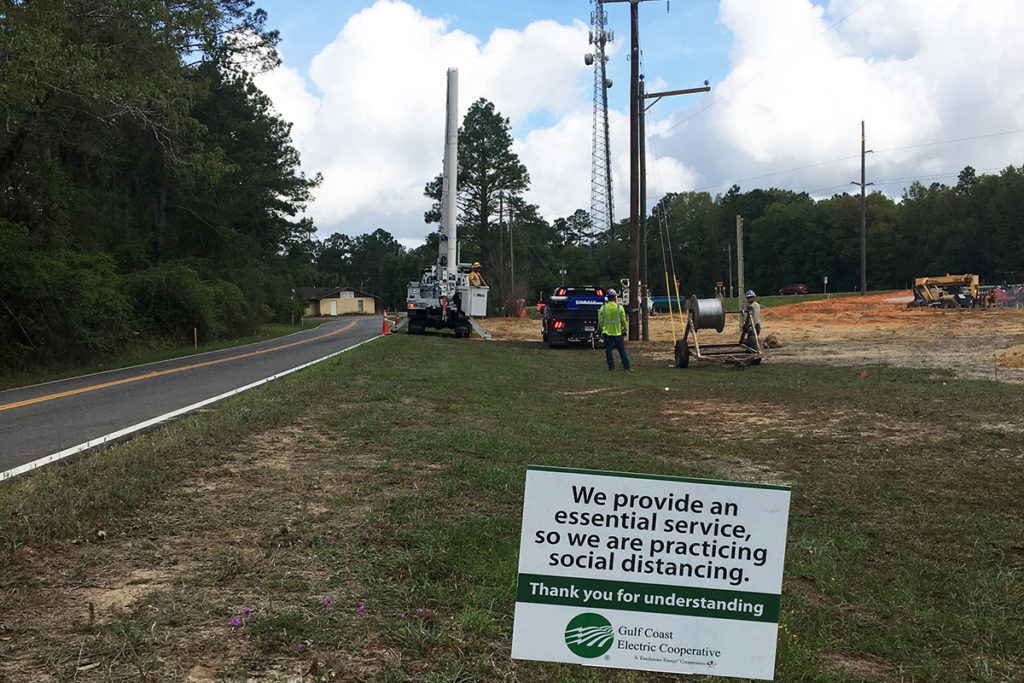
(601, 210)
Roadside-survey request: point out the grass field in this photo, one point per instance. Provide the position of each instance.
(360, 520)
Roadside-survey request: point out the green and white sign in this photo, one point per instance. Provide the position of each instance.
(647, 572)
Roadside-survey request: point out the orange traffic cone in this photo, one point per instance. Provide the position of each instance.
(386, 329)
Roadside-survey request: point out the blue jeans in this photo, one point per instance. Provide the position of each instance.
(615, 342)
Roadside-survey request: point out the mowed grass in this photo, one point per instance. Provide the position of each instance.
(360, 520)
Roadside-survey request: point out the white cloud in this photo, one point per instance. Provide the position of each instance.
(917, 73)
(376, 128)
(787, 114)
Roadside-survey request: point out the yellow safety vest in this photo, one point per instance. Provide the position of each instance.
(612, 319)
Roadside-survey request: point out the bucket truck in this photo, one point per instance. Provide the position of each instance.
(443, 298)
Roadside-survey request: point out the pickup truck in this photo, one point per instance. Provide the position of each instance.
(571, 315)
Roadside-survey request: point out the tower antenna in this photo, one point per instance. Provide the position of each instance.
(601, 208)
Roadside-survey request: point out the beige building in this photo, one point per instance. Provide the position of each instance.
(333, 301)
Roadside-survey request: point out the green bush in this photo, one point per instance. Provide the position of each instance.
(172, 299)
(56, 304)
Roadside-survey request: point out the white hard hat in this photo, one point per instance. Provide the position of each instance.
(612, 293)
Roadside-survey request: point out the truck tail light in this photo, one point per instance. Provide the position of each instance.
(559, 324)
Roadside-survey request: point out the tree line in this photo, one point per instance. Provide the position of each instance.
(975, 226)
(147, 188)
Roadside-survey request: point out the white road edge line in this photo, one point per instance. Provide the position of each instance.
(99, 441)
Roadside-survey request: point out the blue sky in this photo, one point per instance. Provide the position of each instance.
(363, 84)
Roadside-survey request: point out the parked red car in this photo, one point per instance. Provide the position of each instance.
(793, 289)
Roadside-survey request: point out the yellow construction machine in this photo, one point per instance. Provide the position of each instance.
(948, 291)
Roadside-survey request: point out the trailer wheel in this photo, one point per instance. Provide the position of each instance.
(682, 354)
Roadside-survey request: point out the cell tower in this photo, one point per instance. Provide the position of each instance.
(601, 163)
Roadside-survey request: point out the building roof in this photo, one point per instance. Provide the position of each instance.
(318, 293)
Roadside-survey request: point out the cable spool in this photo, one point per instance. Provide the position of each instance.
(707, 314)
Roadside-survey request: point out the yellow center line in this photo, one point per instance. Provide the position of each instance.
(149, 375)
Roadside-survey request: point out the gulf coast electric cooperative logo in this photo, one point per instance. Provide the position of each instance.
(589, 635)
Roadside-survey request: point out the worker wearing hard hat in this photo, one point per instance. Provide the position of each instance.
(612, 319)
(475, 278)
(753, 311)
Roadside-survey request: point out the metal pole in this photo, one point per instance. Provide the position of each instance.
(450, 190)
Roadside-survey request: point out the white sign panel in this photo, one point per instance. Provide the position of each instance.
(649, 572)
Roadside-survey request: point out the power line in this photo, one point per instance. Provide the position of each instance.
(893, 181)
(949, 142)
(847, 158)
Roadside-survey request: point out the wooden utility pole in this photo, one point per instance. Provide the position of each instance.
(636, 179)
(863, 213)
(634, 166)
(634, 169)
(740, 284)
(643, 287)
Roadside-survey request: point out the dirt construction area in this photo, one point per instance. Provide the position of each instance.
(861, 331)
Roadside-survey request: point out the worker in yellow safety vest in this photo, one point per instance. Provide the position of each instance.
(614, 325)
(475, 278)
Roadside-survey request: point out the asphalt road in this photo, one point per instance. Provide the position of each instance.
(47, 422)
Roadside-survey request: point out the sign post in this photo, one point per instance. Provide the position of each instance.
(650, 572)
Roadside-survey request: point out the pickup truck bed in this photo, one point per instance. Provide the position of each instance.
(571, 315)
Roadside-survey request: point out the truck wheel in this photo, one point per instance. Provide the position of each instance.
(682, 354)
